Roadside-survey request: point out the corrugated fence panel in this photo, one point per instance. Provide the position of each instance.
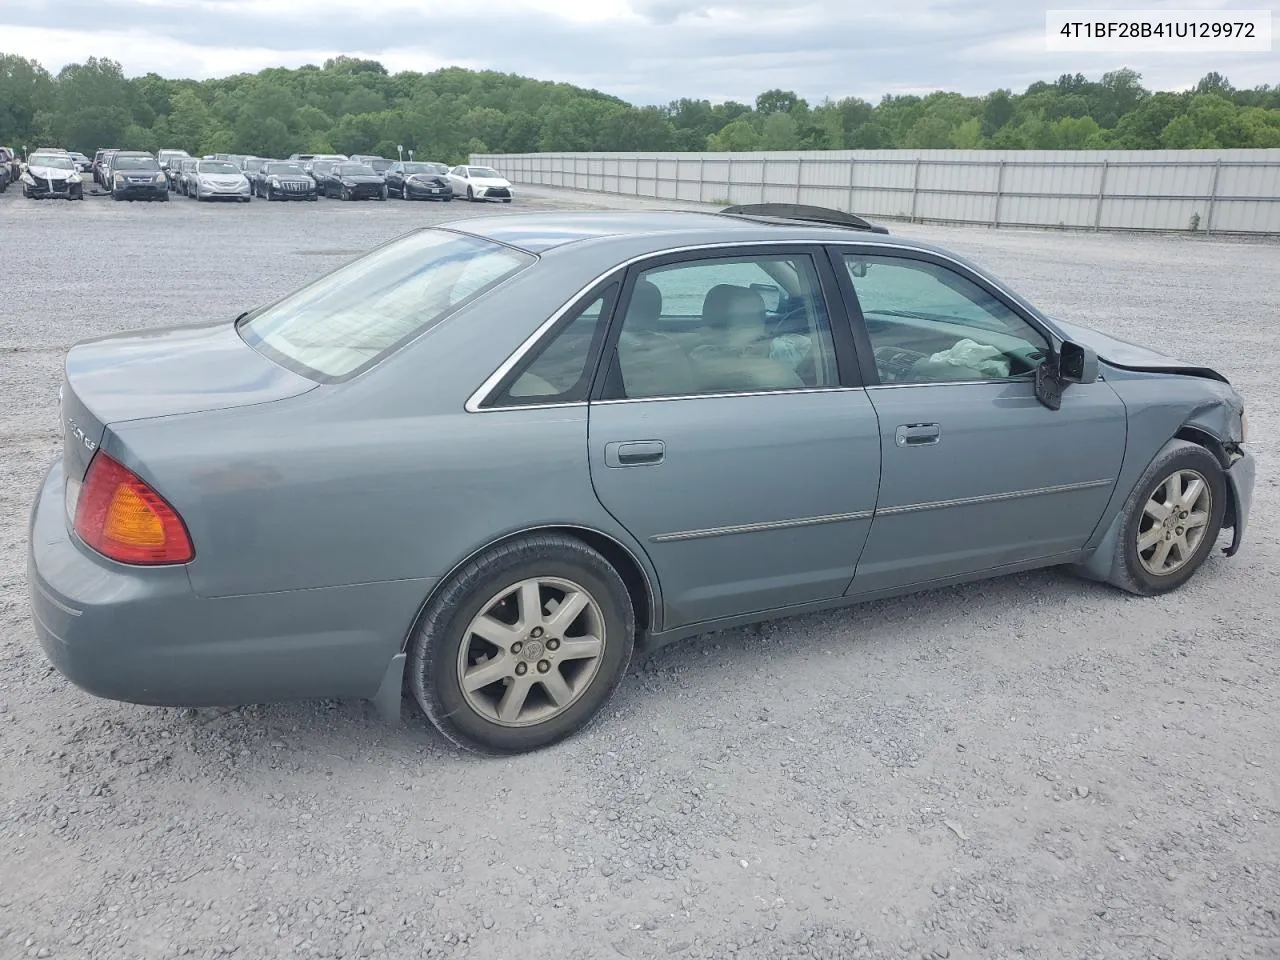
(1227, 191)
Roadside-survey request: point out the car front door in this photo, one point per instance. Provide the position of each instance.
(729, 432)
(977, 474)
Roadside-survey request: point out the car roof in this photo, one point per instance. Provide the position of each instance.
(664, 229)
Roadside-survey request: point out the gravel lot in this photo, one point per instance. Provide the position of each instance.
(1030, 767)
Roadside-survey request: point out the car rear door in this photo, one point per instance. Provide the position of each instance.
(977, 474)
(730, 433)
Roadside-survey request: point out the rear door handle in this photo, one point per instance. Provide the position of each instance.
(917, 434)
(633, 453)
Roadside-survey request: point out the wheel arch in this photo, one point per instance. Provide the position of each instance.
(1098, 565)
(640, 583)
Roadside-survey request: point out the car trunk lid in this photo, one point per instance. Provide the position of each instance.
(159, 373)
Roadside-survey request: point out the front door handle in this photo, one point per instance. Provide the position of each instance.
(633, 453)
(917, 434)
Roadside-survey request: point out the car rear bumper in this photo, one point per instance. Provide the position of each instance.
(1240, 477)
(141, 635)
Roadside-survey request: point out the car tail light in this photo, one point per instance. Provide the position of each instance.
(123, 518)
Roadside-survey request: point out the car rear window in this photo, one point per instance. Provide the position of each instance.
(345, 322)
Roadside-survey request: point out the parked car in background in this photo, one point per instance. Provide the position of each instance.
(379, 165)
(51, 175)
(309, 165)
(353, 181)
(729, 417)
(169, 160)
(218, 180)
(100, 165)
(9, 171)
(318, 169)
(419, 180)
(138, 177)
(479, 183)
(83, 163)
(284, 180)
(250, 167)
(181, 174)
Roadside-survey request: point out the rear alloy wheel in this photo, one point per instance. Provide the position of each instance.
(1172, 520)
(523, 646)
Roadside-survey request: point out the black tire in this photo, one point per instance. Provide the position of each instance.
(471, 195)
(164, 197)
(1127, 571)
(506, 199)
(270, 194)
(434, 647)
(346, 194)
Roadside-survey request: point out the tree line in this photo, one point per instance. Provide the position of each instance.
(351, 105)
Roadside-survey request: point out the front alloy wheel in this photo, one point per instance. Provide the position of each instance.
(1174, 521)
(523, 646)
(1171, 520)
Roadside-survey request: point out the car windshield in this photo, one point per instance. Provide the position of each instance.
(418, 168)
(349, 319)
(379, 165)
(50, 160)
(488, 172)
(136, 163)
(355, 170)
(218, 166)
(284, 169)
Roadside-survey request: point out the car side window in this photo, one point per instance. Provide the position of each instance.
(928, 323)
(559, 369)
(724, 325)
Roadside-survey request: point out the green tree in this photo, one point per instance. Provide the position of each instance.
(776, 101)
(735, 137)
(778, 132)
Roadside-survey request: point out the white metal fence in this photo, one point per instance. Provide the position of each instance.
(1208, 191)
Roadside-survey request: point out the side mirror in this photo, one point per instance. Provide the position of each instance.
(1077, 363)
(1072, 363)
(857, 268)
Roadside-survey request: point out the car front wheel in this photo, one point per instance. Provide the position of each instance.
(1171, 521)
(523, 646)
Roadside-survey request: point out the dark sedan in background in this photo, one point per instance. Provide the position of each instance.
(137, 176)
(283, 180)
(352, 181)
(419, 180)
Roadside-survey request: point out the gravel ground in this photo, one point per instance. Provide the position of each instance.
(1029, 767)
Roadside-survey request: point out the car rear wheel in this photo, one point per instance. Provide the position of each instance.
(1171, 521)
(523, 646)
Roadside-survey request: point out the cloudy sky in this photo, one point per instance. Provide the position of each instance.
(646, 51)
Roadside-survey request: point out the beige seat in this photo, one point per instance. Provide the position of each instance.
(652, 363)
(734, 356)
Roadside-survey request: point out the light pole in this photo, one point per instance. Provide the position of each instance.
(410, 154)
(400, 151)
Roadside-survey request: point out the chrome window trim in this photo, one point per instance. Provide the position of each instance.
(481, 393)
(760, 527)
(721, 396)
(993, 497)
